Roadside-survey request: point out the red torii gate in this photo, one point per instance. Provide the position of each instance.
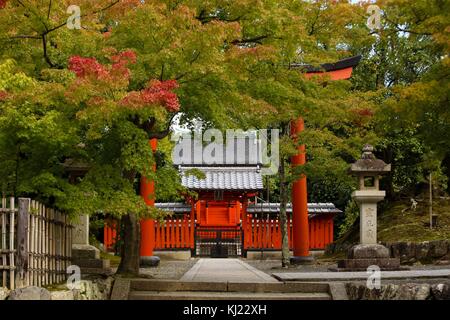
(340, 70)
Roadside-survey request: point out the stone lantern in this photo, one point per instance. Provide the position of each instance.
(368, 170)
(84, 255)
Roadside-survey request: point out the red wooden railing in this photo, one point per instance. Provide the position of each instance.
(175, 233)
(266, 233)
(320, 232)
(259, 234)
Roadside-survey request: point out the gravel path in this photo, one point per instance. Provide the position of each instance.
(168, 269)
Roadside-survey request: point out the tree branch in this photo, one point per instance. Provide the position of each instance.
(49, 9)
(46, 57)
(164, 133)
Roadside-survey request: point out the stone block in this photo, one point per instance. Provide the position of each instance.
(405, 251)
(91, 263)
(175, 285)
(438, 249)
(441, 291)
(81, 230)
(408, 291)
(363, 264)
(94, 290)
(81, 251)
(302, 260)
(414, 292)
(4, 293)
(152, 261)
(62, 295)
(173, 255)
(30, 293)
(368, 251)
(422, 250)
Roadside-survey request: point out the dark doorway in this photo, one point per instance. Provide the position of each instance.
(218, 242)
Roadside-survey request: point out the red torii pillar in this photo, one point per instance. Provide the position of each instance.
(147, 191)
(300, 224)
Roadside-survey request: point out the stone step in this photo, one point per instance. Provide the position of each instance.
(156, 289)
(91, 263)
(206, 295)
(85, 252)
(97, 271)
(173, 285)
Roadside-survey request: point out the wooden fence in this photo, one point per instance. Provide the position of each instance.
(265, 234)
(258, 233)
(35, 246)
(175, 233)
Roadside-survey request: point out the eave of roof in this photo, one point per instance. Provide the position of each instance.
(329, 67)
(224, 178)
(313, 208)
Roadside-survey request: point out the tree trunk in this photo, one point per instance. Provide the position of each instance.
(129, 263)
(446, 168)
(283, 216)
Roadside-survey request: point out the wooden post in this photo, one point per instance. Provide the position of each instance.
(42, 244)
(11, 243)
(31, 245)
(46, 246)
(431, 201)
(4, 248)
(22, 242)
(53, 245)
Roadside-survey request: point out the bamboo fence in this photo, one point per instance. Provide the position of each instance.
(35, 244)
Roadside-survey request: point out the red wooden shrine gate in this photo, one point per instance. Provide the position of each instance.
(257, 233)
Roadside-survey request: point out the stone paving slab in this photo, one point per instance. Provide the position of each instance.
(340, 276)
(158, 295)
(225, 270)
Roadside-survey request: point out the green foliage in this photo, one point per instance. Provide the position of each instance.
(10, 79)
(351, 215)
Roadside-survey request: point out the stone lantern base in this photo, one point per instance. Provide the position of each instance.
(362, 256)
(152, 261)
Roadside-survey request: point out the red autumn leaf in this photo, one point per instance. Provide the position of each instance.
(157, 92)
(3, 95)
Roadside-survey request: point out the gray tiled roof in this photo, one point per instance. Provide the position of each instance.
(224, 178)
(176, 207)
(313, 208)
(240, 150)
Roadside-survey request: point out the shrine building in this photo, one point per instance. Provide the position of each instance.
(228, 217)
